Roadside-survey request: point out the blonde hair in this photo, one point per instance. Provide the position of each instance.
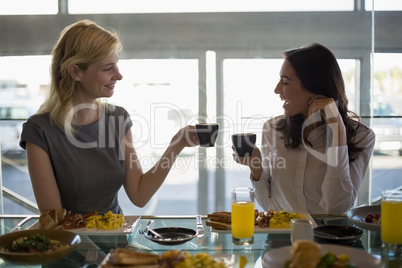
(81, 44)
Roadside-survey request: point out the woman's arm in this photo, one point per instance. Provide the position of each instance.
(342, 181)
(330, 114)
(254, 162)
(42, 178)
(139, 186)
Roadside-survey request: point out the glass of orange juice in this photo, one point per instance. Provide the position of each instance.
(243, 215)
(391, 219)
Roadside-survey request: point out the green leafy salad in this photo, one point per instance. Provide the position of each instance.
(33, 244)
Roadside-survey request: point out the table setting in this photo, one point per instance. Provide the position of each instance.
(191, 238)
(216, 244)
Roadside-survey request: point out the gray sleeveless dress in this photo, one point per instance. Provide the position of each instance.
(89, 167)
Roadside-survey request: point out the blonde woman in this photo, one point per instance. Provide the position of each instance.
(79, 149)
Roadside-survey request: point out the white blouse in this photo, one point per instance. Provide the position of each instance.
(311, 179)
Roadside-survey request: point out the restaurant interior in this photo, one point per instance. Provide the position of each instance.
(213, 61)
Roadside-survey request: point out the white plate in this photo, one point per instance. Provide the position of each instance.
(357, 216)
(276, 258)
(268, 230)
(128, 227)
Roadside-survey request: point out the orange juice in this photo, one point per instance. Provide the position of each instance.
(391, 219)
(243, 219)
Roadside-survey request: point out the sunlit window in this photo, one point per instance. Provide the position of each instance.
(387, 123)
(28, 7)
(388, 79)
(383, 5)
(177, 6)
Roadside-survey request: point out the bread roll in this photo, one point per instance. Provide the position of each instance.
(221, 216)
(61, 213)
(122, 256)
(46, 221)
(53, 214)
(305, 254)
(219, 225)
(52, 218)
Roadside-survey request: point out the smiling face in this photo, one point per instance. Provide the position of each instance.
(291, 91)
(98, 80)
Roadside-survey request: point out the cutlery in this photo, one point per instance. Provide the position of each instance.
(327, 235)
(90, 258)
(148, 229)
(200, 226)
(20, 224)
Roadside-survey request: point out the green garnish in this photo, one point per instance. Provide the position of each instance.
(327, 259)
(34, 243)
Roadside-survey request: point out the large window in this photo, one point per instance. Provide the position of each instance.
(383, 5)
(162, 97)
(28, 7)
(23, 83)
(387, 122)
(177, 6)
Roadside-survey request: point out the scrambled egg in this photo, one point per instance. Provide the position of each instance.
(199, 260)
(282, 219)
(107, 221)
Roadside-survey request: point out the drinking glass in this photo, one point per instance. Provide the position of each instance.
(301, 229)
(391, 218)
(243, 215)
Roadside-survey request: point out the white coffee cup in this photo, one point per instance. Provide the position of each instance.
(301, 229)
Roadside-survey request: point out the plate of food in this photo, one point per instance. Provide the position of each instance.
(338, 233)
(37, 246)
(92, 223)
(265, 221)
(312, 254)
(366, 217)
(124, 257)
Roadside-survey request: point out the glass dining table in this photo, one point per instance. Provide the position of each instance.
(213, 243)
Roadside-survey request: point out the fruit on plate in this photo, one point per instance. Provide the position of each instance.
(373, 218)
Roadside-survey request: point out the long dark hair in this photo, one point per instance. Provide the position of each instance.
(319, 72)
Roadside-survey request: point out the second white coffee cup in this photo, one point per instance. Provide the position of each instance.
(301, 229)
